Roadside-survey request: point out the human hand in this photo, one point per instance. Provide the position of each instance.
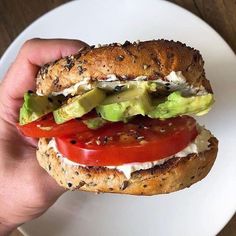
(26, 190)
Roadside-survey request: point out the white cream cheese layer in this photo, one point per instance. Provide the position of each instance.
(175, 81)
(200, 144)
(85, 84)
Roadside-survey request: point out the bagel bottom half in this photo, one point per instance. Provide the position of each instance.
(173, 175)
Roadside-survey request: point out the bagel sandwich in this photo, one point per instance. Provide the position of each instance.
(118, 118)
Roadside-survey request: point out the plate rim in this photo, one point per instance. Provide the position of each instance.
(9, 48)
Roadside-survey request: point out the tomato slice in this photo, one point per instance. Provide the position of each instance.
(46, 127)
(141, 140)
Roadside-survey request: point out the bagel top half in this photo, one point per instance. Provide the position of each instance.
(153, 59)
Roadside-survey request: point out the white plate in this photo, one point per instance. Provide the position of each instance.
(202, 209)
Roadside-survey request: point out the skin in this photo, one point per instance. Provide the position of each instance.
(26, 190)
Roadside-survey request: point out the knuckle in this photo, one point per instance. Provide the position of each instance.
(39, 200)
(28, 44)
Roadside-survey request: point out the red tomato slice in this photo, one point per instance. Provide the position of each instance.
(46, 127)
(141, 140)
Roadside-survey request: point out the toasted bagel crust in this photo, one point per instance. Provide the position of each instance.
(175, 174)
(154, 59)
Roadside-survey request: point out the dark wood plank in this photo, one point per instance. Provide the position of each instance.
(16, 15)
(229, 229)
(187, 4)
(220, 14)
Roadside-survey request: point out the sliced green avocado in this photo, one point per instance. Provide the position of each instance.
(123, 105)
(176, 105)
(79, 105)
(95, 123)
(35, 106)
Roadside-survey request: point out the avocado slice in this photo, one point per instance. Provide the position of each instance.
(79, 105)
(176, 105)
(35, 106)
(95, 123)
(123, 105)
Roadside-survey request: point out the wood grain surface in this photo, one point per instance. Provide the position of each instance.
(16, 15)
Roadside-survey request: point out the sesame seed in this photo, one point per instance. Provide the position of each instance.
(120, 58)
(47, 128)
(98, 142)
(111, 177)
(105, 139)
(126, 43)
(146, 66)
(89, 142)
(118, 88)
(124, 185)
(81, 69)
(69, 62)
(81, 184)
(140, 137)
(56, 80)
(142, 142)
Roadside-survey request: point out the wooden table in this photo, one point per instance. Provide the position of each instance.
(220, 14)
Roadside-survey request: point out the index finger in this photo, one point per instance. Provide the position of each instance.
(34, 54)
(22, 73)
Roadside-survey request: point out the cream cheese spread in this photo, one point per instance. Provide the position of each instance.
(175, 81)
(200, 144)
